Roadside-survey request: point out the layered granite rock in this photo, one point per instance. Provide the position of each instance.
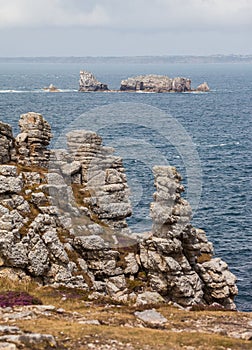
(156, 83)
(33, 140)
(177, 256)
(88, 82)
(63, 222)
(7, 143)
(105, 190)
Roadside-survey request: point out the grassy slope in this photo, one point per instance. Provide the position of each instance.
(119, 323)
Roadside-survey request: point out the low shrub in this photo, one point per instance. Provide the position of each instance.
(13, 298)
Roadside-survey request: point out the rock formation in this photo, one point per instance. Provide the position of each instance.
(203, 87)
(142, 83)
(51, 88)
(33, 140)
(88, 82)
(156, 83)
(105, 186)
(63, 222)
(7, 145)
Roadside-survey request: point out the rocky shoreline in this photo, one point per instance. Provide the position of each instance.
(143, 83)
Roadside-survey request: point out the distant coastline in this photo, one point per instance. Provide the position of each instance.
(190, 59)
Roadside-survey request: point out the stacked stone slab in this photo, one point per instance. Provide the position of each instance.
(30, 230)
(88, 83)
(33, 140)
(7, 143)
(156, 83)
(105, 189)
(178, 257)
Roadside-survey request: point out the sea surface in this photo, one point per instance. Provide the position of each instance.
(215, 128)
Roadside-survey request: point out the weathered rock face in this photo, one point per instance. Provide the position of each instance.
(106, 191)
(88, 82)
(33, 140)
(7, 149)
(63, 222)
(156, 83)
(177, 256)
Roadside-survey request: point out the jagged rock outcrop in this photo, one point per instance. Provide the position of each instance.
(156, 83)
(203, 87)
(62, 221)
(88, 82)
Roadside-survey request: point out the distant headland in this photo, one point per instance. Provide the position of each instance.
(169, 59)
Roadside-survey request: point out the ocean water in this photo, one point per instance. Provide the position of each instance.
(148, 129)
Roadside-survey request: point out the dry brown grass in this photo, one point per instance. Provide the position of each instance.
(76, 336)
(119, 323)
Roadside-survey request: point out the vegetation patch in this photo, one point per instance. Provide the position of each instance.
(14, 298)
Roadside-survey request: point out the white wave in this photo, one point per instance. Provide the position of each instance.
(68, 90)
(12, 91)
(34, 91)
(195, 92)
(145, 92)
(236, 143)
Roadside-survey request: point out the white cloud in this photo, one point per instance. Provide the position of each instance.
(182, 14)
(30, 13)
(179, 15)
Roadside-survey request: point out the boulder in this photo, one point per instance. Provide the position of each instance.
(151, 317)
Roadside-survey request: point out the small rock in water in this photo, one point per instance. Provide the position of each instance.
(203, 87)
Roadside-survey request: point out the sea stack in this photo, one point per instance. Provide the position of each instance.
(88, 82)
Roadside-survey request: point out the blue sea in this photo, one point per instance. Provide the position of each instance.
(213, 128)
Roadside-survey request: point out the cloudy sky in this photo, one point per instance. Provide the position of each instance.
(124, 27)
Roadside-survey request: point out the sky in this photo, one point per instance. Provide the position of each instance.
(124, 27)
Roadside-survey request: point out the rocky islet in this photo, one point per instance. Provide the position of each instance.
(142, 83)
